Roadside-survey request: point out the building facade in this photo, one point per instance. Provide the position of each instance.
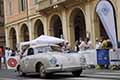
(72, 19)
(2, 31)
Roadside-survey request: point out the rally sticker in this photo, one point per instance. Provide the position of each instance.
(12, 62)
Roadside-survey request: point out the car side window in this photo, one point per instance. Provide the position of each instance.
(30, 51)
(43, 49)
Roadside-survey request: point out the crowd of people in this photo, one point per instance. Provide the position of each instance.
(101, 43)
(5, 53)
(80, 45)
(83, 44)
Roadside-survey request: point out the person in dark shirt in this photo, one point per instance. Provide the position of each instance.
(13, 53)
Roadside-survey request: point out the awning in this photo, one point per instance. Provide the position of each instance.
(44, 39)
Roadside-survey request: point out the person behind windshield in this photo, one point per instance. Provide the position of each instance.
(66, 46)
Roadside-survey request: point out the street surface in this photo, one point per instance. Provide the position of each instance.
(89, 74)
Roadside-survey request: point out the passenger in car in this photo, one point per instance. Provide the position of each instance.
(30, 51)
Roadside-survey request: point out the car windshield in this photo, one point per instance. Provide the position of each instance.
(56, 48)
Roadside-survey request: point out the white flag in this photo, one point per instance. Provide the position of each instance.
(105, 11)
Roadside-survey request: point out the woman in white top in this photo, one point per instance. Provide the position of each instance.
(98, 44)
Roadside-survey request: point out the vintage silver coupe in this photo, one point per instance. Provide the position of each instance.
(47, 59)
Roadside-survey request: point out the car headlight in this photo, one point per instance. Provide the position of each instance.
(82, 60)
(53, 60)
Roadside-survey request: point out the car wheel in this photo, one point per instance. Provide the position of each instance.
(77, 73)
(19, 71)
(42, 71)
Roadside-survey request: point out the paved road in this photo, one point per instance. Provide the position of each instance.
(86, 75)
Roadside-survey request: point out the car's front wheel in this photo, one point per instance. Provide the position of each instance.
(77, 73)
(42, 71)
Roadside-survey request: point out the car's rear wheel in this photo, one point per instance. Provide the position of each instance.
(19, 71)
(77, 73)
(42, 71)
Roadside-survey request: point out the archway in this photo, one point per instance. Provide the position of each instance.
(78, 23)
(13, 40)
(38, 30)
(24, 33)
(56, 26)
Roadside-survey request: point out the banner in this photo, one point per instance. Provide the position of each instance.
(105, 12)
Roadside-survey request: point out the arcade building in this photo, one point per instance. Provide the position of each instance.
(25, 20)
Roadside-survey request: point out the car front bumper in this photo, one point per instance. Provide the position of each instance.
(64, 69)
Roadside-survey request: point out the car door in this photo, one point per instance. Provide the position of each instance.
(27, 61)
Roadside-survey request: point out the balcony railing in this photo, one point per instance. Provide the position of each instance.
(43, 4)
(54, 2)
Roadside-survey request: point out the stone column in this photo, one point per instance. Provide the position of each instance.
(64, 25)
(7, 37)
(45, 25)
(29, 21)
(30, 30)
(117, 11)
(90, 25)
(18, 34)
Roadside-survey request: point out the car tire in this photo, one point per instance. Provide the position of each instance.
(19, 71)
(77, 73)
(42, 71)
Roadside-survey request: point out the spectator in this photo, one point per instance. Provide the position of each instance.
(13, 53)
(109, 44)
(6, 56)
(98, 44)
(61, 36)
(104, 43)
(83, 45)
(89, 44)
(77, 46)
(9, 52)
(118, 44)
(66, 46)
(6, 53)
(18, 53)
(1, 54)
(80, 40)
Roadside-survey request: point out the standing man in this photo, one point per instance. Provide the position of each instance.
(6, 56)
(1, 54)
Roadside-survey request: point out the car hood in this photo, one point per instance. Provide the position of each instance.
(67, 59)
